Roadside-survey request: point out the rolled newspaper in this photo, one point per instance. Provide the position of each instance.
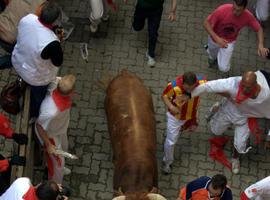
(66, 154)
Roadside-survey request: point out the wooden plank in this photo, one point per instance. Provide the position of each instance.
(22, 126)
(16, 147)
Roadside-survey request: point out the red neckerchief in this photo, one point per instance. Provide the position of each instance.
(49, 26)
(4, 164)
(30, 194)
(255, 129)
(62, 102)
(216, 150)
(240, 97)
(5, 127)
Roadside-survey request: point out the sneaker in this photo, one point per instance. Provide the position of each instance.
(212, 63)
(105, 18)
(235, 165)
(66, 171)
(150, 61)
(167, 169)
(93, 27)
(212, 111)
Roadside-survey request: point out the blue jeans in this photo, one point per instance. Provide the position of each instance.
(154, 18)
(38, 93)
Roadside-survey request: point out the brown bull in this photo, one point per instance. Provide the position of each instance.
(131, 124)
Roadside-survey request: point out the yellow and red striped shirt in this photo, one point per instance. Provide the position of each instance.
(189, 109)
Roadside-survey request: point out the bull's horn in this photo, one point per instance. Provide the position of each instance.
(119, 198)
(153, 196)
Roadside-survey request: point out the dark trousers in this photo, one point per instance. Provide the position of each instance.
(4, 178)
(154, 18)
(38, 93)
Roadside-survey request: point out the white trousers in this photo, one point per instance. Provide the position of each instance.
(98, 8)
(228, 115)
(223, 55)
(173, 132)
(262, 9)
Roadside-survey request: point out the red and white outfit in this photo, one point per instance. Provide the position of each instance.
(32, 38)
(21, 189)
(54, 118)
(258, 191)
(177, 122)
(227, 26)
(234, 113)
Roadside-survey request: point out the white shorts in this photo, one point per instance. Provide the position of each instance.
(226, 116)
(223, 55)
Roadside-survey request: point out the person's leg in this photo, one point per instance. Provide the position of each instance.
(154, 19)
(105, 16)
(173, 133)
(212, 49)
(224, 57)
(262, 10)
(7, 46)
(219, 123)
(139, 18)
(55, 168)
(96, 13)
(241, 135)
(5, 62)
(38, 93)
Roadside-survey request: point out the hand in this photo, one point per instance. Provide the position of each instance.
(222, 42)
(172, 16)
(17, 160)
(174, 109)
(60, 33)
(20, 138)
(51, 149)
(267, 145)
(180, 100)
(262, 51)
(125, 1)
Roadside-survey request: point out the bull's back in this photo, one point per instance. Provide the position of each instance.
(131, 125)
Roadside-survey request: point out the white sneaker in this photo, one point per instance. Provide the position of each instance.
(93, 27)
(212, 111)
(167, 169)
(66, 171)
(235, 165)
(105, 18)
(150, 61)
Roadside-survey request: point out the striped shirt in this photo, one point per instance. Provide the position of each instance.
(189, 109)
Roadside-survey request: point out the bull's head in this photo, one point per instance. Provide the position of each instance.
(150, 196)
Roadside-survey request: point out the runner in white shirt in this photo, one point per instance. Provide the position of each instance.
(52, 124)
(247, 96)
(258, 191)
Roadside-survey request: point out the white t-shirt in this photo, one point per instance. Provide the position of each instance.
(17, 190)
(258, 108)
(259, 190)
(52, 120)
(32, 38)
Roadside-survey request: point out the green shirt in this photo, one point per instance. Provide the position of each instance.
(151, 4)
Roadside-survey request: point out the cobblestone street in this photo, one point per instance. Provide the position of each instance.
(180, 48)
